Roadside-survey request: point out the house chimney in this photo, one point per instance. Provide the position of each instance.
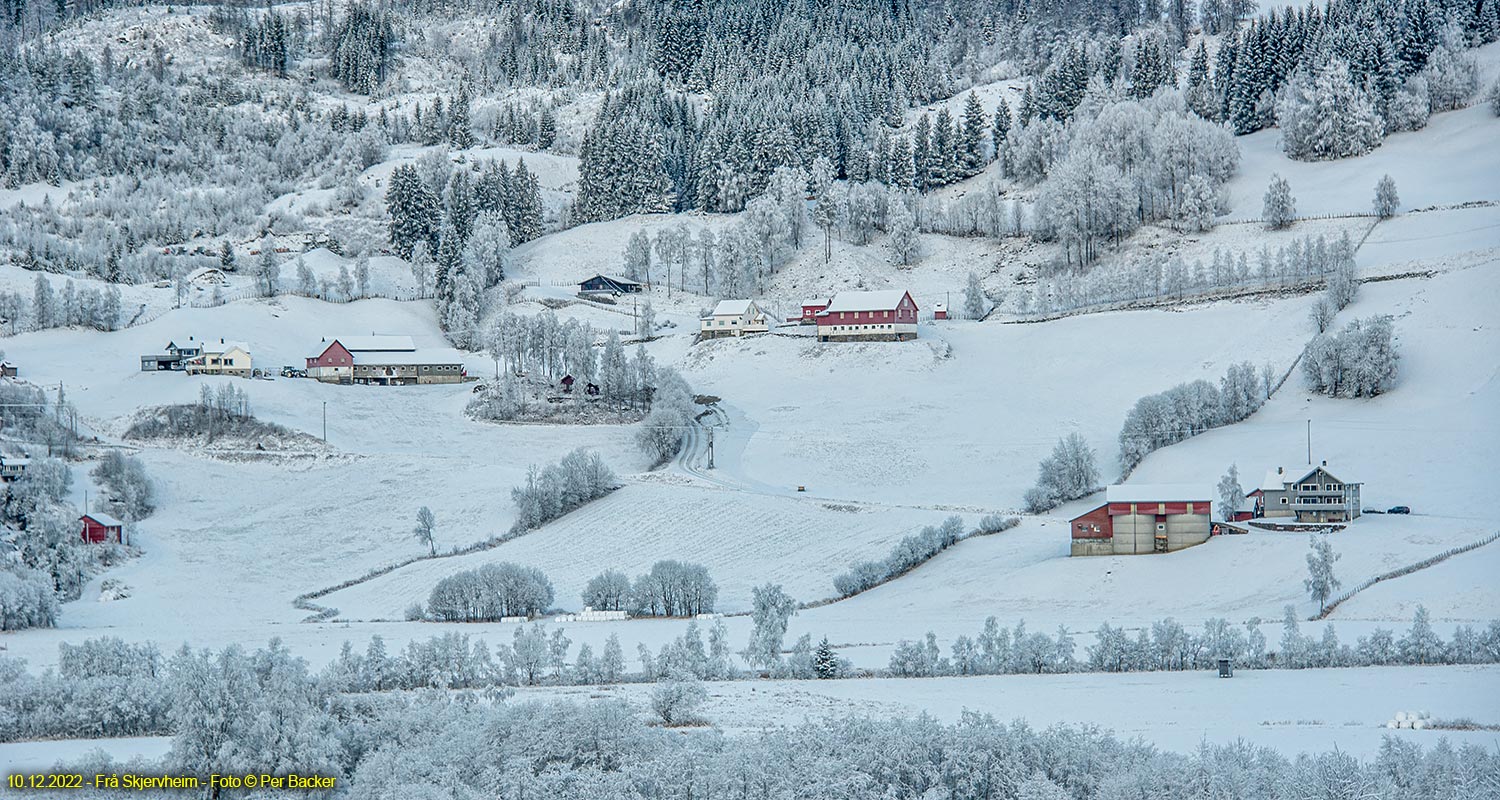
(1325, 462)
(1278, 470)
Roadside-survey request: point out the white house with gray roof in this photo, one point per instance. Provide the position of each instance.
(733, 318)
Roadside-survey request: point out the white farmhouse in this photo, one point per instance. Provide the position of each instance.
(733, 318)
(223, 358)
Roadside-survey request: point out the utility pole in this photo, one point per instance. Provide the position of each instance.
(710, 447)
(1309, 442)
(325, 422)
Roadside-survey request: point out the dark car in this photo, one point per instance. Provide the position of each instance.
(1398, 510)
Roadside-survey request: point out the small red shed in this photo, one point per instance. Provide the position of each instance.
(810, 309)
(940, 311)
(98, 528)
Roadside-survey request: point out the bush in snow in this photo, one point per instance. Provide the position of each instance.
(489, 593)
(1069, 473)
(26, 599)
(1280, 209)
(1323, 114)
(673, 589)
(131, 493)
(581, 476)
(1386, 199)
(996, 523)
(1359, 361)
(676, 699)
(909, 553)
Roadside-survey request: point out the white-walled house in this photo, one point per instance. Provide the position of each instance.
(221, 358)
(733, 318)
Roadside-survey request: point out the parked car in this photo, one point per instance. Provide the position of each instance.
(1372, 511)
(1398, 510)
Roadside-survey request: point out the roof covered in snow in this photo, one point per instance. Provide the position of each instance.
(883, 300)
(225, 346)
(382, 358)
(375, 342)
(103, 519)
(1157, 492)
(732, 308)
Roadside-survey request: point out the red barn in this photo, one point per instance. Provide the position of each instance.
(334, 365)
(1138, 518)
(884, 316)
(98, 528)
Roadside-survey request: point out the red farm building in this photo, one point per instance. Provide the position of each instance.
(810, 309)
(1144, 519)
(889, 315)
(99, 528)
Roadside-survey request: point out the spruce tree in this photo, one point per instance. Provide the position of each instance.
(460, 133)
(413, 211)
(1000, 128)
(971, 138)
(459, 203)
(825, 660)
(941, 157)
(921, 153)
(526, 203)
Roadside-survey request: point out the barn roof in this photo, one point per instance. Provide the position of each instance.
(103, 519)
(732, 308)
(612, 279)
(817, 301)
(883, 300)
(1157, 492)
(382, 358)
(375, 342)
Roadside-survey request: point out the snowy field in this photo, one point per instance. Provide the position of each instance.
(740, 537)
(1291, 711)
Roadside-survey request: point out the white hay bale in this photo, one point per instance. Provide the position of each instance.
(1401, 716)
(1391, 724)
(1419, 724)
